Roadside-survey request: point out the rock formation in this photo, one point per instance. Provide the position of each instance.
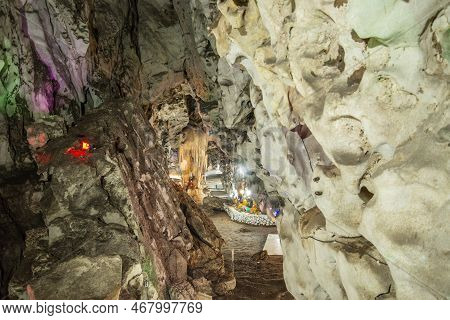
(338, 109)
(86, 204)
(193, 162)
(366, 211)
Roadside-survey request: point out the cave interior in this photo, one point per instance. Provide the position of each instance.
(148, 149)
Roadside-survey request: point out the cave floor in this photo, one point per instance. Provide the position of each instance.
(258, 277)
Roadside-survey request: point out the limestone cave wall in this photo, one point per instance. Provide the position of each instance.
(87, 209)
(351, 128)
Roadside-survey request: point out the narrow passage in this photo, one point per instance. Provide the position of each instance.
(258, 276)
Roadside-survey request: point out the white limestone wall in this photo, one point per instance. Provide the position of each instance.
(370, 81)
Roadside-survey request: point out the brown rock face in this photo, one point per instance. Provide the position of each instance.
(102, 191)
(108, 197)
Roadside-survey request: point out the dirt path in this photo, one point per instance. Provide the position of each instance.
(258, 279)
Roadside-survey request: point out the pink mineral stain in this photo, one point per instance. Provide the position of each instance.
(36, 139)
(42, 158)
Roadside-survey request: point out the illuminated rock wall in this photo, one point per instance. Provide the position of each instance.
(369, 79)
(115, 225)
(193, 162)
(115, 217)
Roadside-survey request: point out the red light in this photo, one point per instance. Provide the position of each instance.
(80, 150)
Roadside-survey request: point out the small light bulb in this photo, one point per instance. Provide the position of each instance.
(85, 145)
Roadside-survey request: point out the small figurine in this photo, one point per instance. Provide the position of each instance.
(254, 208)
(277, 212)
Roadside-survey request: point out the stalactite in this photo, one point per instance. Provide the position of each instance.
(193, 162)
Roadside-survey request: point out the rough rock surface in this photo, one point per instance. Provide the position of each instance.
(369, 80)
(106, 270)
(115, 219)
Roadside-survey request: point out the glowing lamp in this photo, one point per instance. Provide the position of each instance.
(85, 145)
(80, 150)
